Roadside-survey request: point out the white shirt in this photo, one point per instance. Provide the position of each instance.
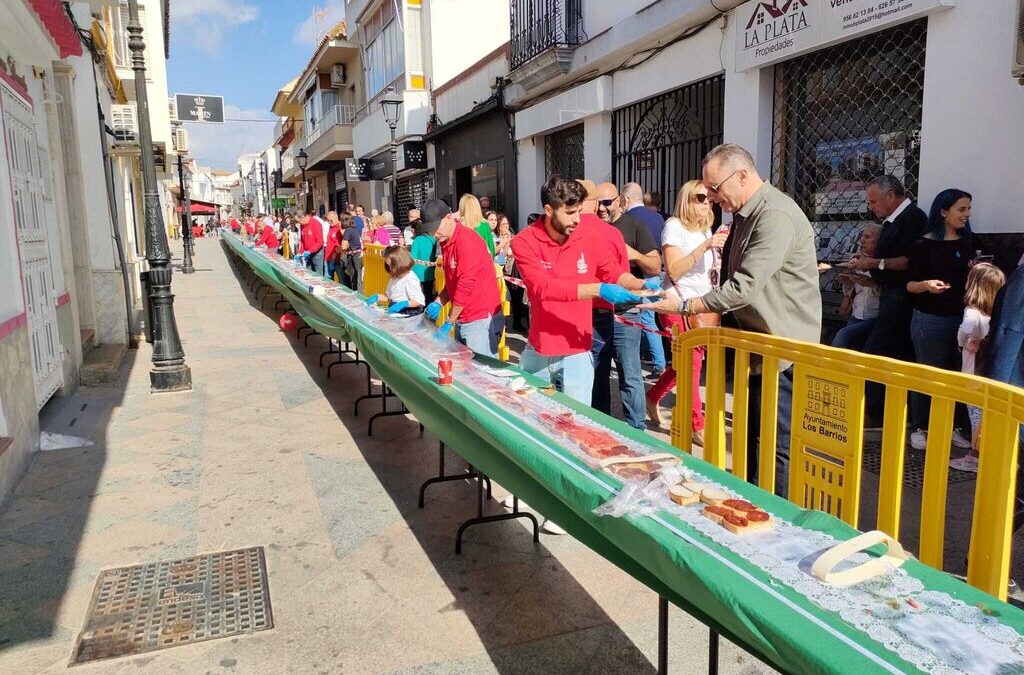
(406, 288)
(696, 282)
(326, 227)
(865, 301)
(975, 325)
(408, 235)
(899, 209)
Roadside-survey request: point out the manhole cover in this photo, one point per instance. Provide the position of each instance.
(913, 467)
(165, 604)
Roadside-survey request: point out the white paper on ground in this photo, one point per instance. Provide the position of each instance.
(52, 441)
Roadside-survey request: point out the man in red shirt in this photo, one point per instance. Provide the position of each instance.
(250, 228)
(470, 281)
(236, 227)
(566, 261)
(311, 241)
(268, 238)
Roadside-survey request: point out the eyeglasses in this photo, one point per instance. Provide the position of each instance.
(700, 197)
(607, 202)
(714, 188)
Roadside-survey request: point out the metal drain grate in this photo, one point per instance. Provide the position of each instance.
(913, 467)
(165, 604)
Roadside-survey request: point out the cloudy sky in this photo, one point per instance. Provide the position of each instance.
(243, 50)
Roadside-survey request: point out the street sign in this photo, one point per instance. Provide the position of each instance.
(199, 108)
(278, 202)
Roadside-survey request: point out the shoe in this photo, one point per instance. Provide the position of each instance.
(959, 441)
(655, 374)
(919, 439)
(654, 412)
(550, 527)
(968, 463)
(698, 438)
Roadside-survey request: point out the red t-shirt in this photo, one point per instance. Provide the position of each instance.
(333, 241)
(617, 246)
(235, 225)
(560, 324)
(268, 237)
(469, 275)
(312, 238)
(250, 228)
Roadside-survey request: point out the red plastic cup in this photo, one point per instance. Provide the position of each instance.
(445, 374)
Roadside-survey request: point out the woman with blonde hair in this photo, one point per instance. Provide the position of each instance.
(686, 244)
(472, 216)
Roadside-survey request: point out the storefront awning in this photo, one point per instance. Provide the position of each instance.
(200, 209)
(58, 25)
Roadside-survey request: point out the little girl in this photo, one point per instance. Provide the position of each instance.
(404, 292)
(983, 282)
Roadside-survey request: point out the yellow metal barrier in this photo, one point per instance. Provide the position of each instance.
(506, 306)
(826, 446)
(375, 277)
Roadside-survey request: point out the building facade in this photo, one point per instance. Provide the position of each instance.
(825, 95)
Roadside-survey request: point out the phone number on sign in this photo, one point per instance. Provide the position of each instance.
(874, 12)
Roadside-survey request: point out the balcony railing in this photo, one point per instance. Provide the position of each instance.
(540, 25)
(339, 114)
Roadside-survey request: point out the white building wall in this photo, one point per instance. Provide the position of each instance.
(972, 132)
(454, 48)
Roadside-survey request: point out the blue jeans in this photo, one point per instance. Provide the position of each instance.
(621, 342)
(482, 335)
(573, 375)
(331, 268)
(316, 262)
(653, 340)
(854, 334)
(935, 344)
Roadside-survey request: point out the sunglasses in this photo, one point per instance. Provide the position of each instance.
(714, 188)
(607, 202)
(700, 197)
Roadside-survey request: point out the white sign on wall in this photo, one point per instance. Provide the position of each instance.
(770, 31)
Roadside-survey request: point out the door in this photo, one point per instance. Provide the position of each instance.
(28, 185)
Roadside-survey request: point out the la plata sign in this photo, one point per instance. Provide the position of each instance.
(770, 31)
(199, 108)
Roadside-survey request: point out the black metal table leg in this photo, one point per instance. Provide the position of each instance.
(312, 334)
(385, 393)
(662, 636)
(481, 518)
(712, 653)
(330, 350)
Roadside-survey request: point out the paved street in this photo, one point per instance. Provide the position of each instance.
(265, 452)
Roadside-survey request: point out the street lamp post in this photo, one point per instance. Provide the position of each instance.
(303, 159)
(169, 372)
(391, 104)
(186, 225)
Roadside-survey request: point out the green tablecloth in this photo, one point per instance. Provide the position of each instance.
(706, 579)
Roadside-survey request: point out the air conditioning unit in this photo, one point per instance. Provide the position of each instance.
(180, 140)
(1018, 49)
(172, 106)
(124, 122)
(339, 75)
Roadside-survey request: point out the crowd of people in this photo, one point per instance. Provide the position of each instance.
(599, 275)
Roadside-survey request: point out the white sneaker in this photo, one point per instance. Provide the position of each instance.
(919, 439)
(968, 463)
(550, 527)
(959, 441)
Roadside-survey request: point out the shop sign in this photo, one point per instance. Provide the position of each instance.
(380, 165)
(357, 170)
(770, 31)
(199, 108)
(414, 154)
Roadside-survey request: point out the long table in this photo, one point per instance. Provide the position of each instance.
(939, 624)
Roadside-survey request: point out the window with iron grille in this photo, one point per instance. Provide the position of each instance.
(844, 115)
(563, 153)
(660, 142)
(540, 25)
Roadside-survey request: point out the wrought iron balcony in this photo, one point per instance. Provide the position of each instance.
(542, 25)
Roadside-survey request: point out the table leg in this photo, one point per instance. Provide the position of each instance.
(662, 636)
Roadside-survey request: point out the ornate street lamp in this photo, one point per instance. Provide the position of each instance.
(391, 104)
(186, 223)
(302, 159)
(169, 372)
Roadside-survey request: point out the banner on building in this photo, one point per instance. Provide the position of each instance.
(770, 31)
(199, 108)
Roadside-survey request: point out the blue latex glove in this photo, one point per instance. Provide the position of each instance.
(433, 310)
(617, 295)
(653, 284)
(396, 307)
(372, 300)
(444, 332)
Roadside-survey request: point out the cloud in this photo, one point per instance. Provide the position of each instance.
(320, 20)
(203, 23)
(219, 145)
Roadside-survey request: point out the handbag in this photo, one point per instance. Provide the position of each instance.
(703, 320)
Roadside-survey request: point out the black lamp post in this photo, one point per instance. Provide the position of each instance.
(303, 159)
(169, 372)
(391, 104)
(186, 223)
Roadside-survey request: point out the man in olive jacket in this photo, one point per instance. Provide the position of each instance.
(770, 281)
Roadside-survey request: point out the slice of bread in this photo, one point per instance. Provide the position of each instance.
(682, 494)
